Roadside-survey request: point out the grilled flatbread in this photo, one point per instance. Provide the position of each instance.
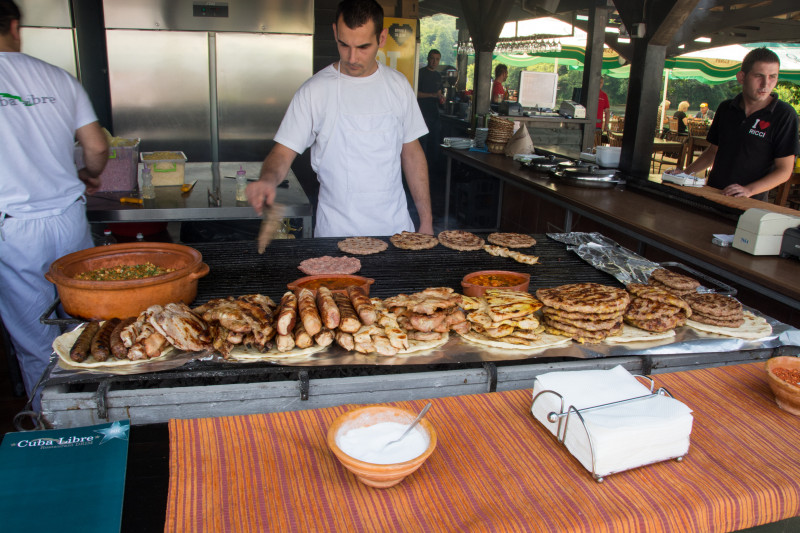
(585, 298)
(634, 334)
(409, 240)
(511, 240)
(517, 343)
(754, 327)
(362, 245)
(460, 240)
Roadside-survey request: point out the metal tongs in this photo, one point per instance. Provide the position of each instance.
(271, 217)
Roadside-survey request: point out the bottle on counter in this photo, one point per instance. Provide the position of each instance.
(108, 237)
(139, 237)
(241, 184)
(148, 189)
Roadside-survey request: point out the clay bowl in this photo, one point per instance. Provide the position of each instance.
(515, 281)
(335, 282)
(787, 396)
(377, 475)
(101, 300)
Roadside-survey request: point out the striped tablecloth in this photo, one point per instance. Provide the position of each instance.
(494, 469)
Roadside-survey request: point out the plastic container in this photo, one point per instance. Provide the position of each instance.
(121, 170)
(608, 156)
(168, 168)
(148, 189)
(241, 184)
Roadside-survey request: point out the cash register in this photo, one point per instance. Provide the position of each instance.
(572, 109)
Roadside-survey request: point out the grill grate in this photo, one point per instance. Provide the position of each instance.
(237, 268)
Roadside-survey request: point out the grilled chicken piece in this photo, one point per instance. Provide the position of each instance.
(182, 328)
(424, 335)
(154, 345)
(365, 347)
(383, 346)
(425, 322)
(461, 327)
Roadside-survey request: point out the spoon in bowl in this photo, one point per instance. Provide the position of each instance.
(410, 427)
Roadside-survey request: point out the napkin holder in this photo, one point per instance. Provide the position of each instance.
(568, 417)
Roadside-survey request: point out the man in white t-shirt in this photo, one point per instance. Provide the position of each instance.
(42, 215)
(362, 122)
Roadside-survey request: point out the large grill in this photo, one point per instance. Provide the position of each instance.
(237, 268)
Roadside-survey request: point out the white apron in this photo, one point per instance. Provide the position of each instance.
(361, 190)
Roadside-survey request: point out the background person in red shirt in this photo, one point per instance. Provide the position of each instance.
(499, 92)
(603, 110)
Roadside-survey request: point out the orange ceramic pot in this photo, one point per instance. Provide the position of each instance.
(335, 282)
(515, 281)
(375, 475)
(787, 396)
(101, 300)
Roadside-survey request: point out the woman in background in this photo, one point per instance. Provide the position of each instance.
(680, 115)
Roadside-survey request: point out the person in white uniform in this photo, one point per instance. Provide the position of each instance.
(42, 213)
(362, 122)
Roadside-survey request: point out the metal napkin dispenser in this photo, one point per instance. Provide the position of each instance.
(790, 246)
(760, 232)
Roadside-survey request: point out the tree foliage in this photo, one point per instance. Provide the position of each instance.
(439, 32)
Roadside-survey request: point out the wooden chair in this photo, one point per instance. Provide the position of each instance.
(617, 124)
(786, 194)
(671, 159)
(697, 127)
(615, 140)
(598, 138)
(673, 124)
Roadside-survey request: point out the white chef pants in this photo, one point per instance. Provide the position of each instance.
(27, 248)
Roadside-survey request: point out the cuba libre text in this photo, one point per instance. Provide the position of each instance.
(30, 100)
(54, 442)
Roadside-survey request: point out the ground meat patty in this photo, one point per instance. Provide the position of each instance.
(330, 265)
(585, 298)
(715, 305)
(732, 322)
(658, 324)
(674, 280)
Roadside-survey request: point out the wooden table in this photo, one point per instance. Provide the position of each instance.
(679, 230)
(495, 468)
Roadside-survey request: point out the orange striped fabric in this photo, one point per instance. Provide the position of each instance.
(494, 469)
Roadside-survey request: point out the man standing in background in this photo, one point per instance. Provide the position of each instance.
(42, 215)
(429, 96)
(603, 110)
(753, 139)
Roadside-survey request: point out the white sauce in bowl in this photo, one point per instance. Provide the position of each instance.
(367, 443)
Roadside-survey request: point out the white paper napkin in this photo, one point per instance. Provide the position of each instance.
(623, 436)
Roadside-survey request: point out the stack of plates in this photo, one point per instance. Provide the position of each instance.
(460, 143)
(481, 134)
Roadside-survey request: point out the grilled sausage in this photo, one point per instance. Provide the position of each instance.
(349, 322)
(118, 349)
(328, 310)
(284, 342)
(324, 337)
(301, 337)
(307, 307)
(345, 340)
(287, 315)
(362, 304)
(83, 344)
(101, 343)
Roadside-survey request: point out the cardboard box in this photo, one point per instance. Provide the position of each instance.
(167, 168)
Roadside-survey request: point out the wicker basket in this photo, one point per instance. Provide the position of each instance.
(496, 148)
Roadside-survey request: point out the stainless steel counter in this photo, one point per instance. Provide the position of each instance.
(212, 198)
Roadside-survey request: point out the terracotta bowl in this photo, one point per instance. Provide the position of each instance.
(376, 475)
(519, 281)
(100, 300)
(787, 396)
(335, 282)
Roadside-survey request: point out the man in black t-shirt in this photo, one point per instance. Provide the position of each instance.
(429, 94)
(754, 136)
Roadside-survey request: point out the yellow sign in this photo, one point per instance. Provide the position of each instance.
(400, 50)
